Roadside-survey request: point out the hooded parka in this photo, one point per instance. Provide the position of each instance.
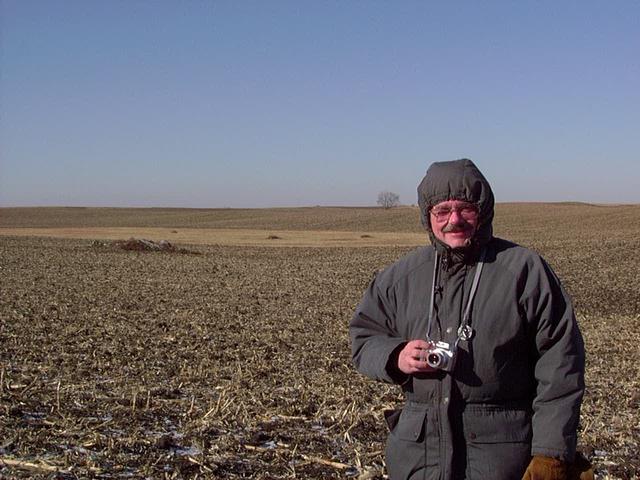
(517, 384)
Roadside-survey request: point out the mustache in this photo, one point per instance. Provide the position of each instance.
(454, 228)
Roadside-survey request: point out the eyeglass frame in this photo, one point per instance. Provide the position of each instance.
(467, 206)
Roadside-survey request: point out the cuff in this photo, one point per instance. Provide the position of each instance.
(394, 373)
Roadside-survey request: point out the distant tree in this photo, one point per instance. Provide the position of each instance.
(388, 199)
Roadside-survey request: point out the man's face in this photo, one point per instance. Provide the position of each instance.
(454, 222)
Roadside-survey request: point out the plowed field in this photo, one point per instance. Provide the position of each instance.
(227, 361)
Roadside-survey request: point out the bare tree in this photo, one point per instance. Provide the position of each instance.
(388, 199)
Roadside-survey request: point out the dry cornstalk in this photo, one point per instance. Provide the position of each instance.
(40, 467)
(358, 461)
(219, 407)
(200, 464)
(308, 458)
(367, 474)
(28, 387)
(318, 413)
(287, 417)
(253, 447)
(16, 386)
(329, 463)
(58, 396)
(348, 410)
(32, 467)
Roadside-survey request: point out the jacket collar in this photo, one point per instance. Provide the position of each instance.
(453, 256)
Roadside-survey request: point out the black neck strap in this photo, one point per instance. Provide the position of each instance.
(467, 311)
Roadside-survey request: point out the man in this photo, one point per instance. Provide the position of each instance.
(483, 340)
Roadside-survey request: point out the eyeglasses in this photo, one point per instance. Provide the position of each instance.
(467, 211)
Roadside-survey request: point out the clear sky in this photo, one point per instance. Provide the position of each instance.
(288, 103)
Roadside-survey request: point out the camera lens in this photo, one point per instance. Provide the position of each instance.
(434, 360)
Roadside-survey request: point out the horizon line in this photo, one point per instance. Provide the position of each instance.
(137, 207)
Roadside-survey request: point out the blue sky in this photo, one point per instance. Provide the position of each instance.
(278, 103)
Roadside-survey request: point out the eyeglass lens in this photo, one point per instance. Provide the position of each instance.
(467, 212)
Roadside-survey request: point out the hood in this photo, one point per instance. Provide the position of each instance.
(457, 180)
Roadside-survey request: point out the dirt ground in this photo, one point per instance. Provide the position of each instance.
(224, 361)
(234, 237)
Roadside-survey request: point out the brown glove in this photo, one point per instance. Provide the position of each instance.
(580, 469)
(546, 468)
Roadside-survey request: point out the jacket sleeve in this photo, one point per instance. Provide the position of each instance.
(558, 351)
(373, 335)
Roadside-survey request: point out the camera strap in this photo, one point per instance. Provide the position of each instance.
(464, 331)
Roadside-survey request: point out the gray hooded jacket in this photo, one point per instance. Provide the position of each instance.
(517, 384)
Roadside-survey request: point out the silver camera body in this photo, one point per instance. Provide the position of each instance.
(441, 356)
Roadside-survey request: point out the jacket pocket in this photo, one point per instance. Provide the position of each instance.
(408, 452)
(392, 417)
(498, 442)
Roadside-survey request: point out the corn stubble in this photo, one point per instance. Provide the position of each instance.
(234, 362)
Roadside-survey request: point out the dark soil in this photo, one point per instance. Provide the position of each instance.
(235, 363)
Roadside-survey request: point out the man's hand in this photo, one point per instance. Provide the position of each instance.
(412, 358)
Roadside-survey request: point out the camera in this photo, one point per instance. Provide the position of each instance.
(440, 356)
